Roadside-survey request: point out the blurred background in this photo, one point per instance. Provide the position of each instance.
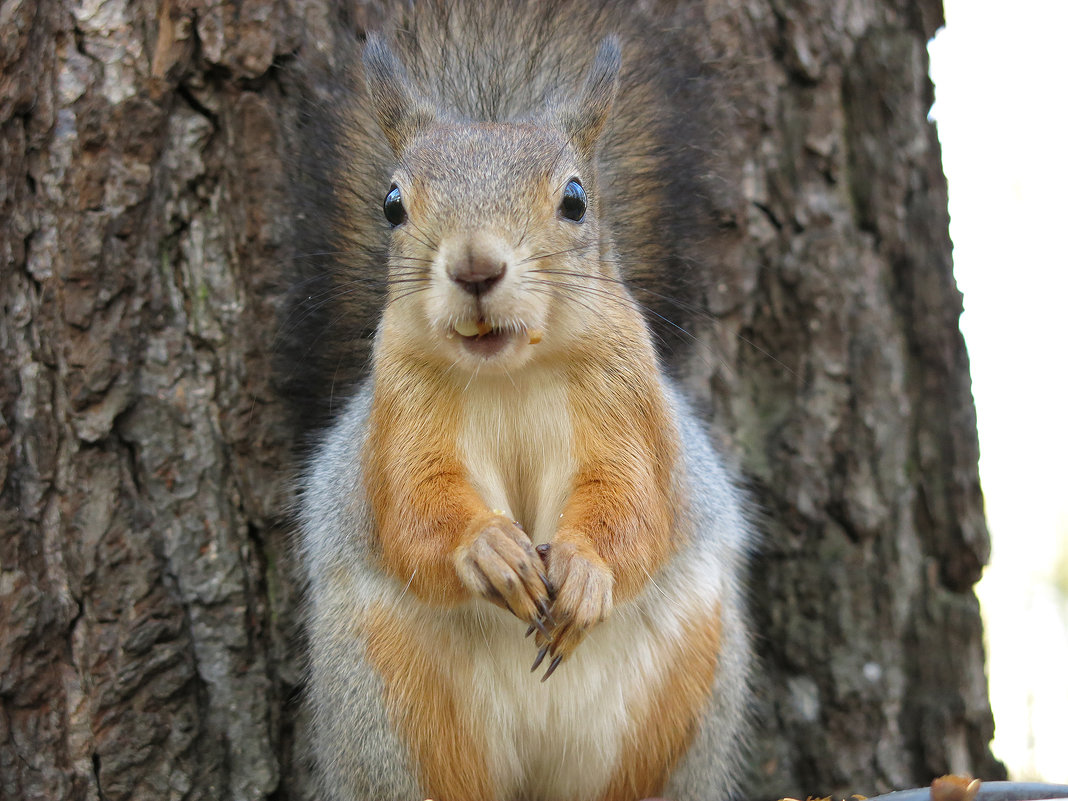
(1001, 104)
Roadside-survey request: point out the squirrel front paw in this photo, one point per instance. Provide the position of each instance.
(583, 598)
(496, 561)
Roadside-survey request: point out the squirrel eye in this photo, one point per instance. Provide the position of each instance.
(393, 207)
(573, 203)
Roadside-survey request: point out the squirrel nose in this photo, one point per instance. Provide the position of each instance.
(477, 273)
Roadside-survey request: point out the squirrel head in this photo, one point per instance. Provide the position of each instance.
(496, 253)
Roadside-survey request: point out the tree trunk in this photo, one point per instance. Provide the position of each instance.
(149, 634)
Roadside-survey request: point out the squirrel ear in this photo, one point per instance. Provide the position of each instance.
(588, 113)
(402, 112)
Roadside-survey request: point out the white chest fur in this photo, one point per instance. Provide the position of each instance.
(515, 441)
(561, 739)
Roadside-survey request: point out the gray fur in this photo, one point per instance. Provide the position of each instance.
(358, 754)
(712, 766)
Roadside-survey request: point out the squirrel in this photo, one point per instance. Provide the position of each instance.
(516, 481)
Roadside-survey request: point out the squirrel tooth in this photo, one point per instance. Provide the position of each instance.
(467, 328)
(535, 336)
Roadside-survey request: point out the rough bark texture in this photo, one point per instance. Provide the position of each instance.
(148, 638)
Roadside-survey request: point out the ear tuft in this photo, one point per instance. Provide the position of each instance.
(586, 118)
(402, 111)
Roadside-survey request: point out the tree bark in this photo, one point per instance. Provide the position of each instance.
(149, 611)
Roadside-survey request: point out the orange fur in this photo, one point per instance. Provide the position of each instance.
(626, 448)
(656, 741)
(418, 490)
(421, 702)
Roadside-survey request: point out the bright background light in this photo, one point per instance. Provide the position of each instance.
(1001, 87)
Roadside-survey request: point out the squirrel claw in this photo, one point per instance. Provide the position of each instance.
(546, 615)
(552, 666)
(537, 624)
(540, 657)
(550, 590)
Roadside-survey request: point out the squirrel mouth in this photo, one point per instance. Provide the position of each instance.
(482, 339)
